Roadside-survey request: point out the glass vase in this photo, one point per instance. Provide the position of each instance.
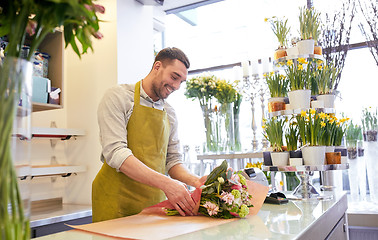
(226, 128)
(353, 169)
(210, 123)
(15, 113)
(371, 153)
(237, 142)
(292, 181)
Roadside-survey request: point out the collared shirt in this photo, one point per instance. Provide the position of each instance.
(113, 115)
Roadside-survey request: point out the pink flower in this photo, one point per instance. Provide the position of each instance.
(212, 208)
(98, 35)
(99, 8)
(234, 214)
(30, 28)
(237, 187)
(227, 197)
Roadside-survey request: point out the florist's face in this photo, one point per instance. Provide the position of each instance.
(168, 78)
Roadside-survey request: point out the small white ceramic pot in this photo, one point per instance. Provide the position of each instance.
(299, 99)
(280, 158)
(313, 155)
(328, 99)
(292, 51)
(306, 46)
(317, 104)
(296, 161)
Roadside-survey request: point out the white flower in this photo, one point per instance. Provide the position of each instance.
(203, 89)
(227, 197)
(212, 208)
(220, 180)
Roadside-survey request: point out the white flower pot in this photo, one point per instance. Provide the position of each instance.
(330, 149)
(328, 99)
(313, 155)
(299, 99)
(296, 161)
(317, 104)
(292, 51)
(306, 46)
(280, 158)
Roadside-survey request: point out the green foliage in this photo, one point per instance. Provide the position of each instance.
(277, 84)
(291, 136)
(298, 73)
(369, 119)
(325, 77)
(31, 19)
(280, 29)
(273, 132)
(309, 23)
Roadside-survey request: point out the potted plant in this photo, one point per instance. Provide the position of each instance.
(293, 50)
(298, 73)
(29, 22)
(352, 134)
(309, 23)
(278, 85)
(273, 132)
(310, 127)
(325, 77)
(339, 136)
(281, 30)
(291, 137)
(370, 124)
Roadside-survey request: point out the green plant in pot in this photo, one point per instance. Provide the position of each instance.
(278, 87)
(292, 137)
(325, 77)
(352, 135)
(274, 133)
(281, 29)
(28, 22)
(370, 124)
(309, 29)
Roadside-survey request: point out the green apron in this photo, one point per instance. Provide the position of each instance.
(116, 195)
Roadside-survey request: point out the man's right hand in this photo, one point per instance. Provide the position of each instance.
(179, 196)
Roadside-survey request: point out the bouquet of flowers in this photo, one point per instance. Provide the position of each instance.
(224, 195)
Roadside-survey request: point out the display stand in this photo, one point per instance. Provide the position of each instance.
(305, 190)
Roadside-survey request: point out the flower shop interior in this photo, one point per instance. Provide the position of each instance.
(236, 100)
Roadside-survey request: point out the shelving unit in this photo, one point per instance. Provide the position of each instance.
(48, 171)
(62, 133)
(315, 56)
(298, 111)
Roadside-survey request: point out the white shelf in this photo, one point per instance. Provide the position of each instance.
(37, 132)
(298, 111)
(48, 170)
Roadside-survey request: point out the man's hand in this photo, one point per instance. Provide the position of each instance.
(179, 196)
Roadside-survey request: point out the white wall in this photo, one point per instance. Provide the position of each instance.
(134, 40)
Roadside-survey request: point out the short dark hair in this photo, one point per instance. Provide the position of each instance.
(168, 54)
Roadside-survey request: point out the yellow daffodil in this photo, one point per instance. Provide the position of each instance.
(266, 19)
(331, 120)
(289, 62)
(264, 120)
(312, 111)
(323, 124)
(300, 67)
(319, 62)
(320, 67)
(263, 126)
(302, 61)
(265, 75)
(271, 74)
(322, 115)
(303, 113)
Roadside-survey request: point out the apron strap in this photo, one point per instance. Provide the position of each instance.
(137, 93)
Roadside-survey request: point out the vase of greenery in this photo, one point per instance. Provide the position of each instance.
(281, 30)
(203, 88)
(291, 136)
(325, 77)
(27, 22)
(309, 22)
(278, 85)
(273, 132)
(298, 73)
(236, 108)
(370, 127)
(226, 95)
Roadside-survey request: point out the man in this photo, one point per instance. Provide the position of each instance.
(138, 134)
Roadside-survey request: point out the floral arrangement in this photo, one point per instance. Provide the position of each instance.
(325, 77)
(202, 88)
(277, 84)
(309, 23)
(370, 124)
(352, 134)
(298, 74)
(280, 29)
(274, 131)
(224, 195)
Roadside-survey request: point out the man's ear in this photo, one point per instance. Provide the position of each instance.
(157, 65)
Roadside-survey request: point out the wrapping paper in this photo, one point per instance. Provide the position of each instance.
(152, 223)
